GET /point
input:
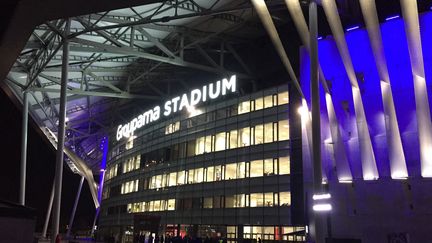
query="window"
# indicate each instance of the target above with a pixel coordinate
(210, 174)
(171, 204)
(241, 170)
(244, 136)
(181, 177)
(220, 141)
(256, 168)
(230, 171)
(284, 165)
(130, 142)
(268, 199)
(259, 104)
(240, 201)
(268, 132)
(283, 130)
(244, 107)
(256, 200)
(233, 139)
(218, 173)
(208, 202)
(172, 179)
(172, 127)
(208, 144)
(130, 186)
(199, 175)
(283, 98)
(229, 201)
(259, 134)
(199, 145)
(268, 167)
(191, 176)
(284, 198)
(268, 101)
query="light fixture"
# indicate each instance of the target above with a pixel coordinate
(321, 196)
(320, 37)
(392, 17)
(353, 28)
(324, 207)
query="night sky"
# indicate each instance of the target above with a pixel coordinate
(40, 171)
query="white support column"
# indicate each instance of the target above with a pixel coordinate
(61, 136)
(370, 171)
(23, 168)
(398, 166)
(412, 29)
(344, 172)
(71, 220)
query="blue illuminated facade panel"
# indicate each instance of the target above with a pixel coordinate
(385, 206)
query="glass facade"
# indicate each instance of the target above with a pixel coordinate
(222, 170)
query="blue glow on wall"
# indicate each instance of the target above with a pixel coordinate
(399, 67)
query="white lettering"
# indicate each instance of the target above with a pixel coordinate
(184, 102)
(214, 94)
(195, 97)
(119, 133)
(156, 113)
(229, 85)
(167, 106)
(178, 104)
(174, 101)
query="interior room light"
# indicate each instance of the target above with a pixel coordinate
(345, 181)
(369, 177)
(324, 207)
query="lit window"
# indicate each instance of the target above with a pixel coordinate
(218, 173)
(283, 98)
(233, 139)
(284, 165)
(172, 179)
(208, 144)
(244, 107)
(172, 127)
(230, 171)
(240, 201)
(199, 145)
(199, 175)
(191, 176)
(171, 204)
(129, 143)
(220, 141)
(210, 174)
(268, 132)
(268, 167)
(241, 170)
(256, 200)
(259, 104)
(208, 202)
(259, 134)
(268, 199)
(283, 130)
(244, 137)
(284, 198)
(268, 101)
(181, 177)
(256, 168)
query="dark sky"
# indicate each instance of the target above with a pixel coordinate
(40, 171)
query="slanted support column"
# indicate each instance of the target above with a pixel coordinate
(412, 29)
(75, 207)
(61, 136)
(23, 168)
(48, 214)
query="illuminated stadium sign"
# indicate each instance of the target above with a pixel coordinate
(185, 101)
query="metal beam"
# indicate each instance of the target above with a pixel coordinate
(123, 95)
(125, 50)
